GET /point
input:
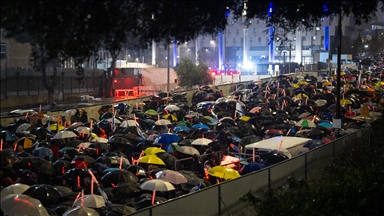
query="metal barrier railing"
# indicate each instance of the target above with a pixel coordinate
(224, 197)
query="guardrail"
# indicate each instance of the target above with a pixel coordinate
(224, 198)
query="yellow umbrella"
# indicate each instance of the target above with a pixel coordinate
(342, 73)
(302, 82)
(170, 117)
(151, 159)
(25, 142)
(327, 83)
(153, 150)
(295, 85)
(94, 136)
(345, 102)
(53, 127)
(301, 95)
(244, 118)
(223, 172)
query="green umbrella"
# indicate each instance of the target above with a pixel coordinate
(306, 123)
(151, 112)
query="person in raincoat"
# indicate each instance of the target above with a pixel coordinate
(76, 116)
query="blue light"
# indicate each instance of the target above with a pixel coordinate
(325, 8)
(270, 8)
(326, 38)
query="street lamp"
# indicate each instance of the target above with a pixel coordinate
(214, 53)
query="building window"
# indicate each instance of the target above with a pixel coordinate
(234, 40)
(258, 21)
(259, 39)
(250, 39)
(254, 30)
(3, 50)
(303, 38)
(237, 32)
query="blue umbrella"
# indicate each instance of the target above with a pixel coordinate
(110, 170)
(326, 124)
(181, 128)
(203, 126)
(251, 167)
(43, 152)
(168, 138)
(312, 144)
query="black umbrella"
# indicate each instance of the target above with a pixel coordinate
(273, 157)
(84, 158)
(7, 158)
(119, 140)
(315, 133)
(251, 167)
(62, 165)
(169, 160)
(37, 165)
(137, 170)
(42, 192)
(126, 189)
(312, 144)
(73, 143)
(119, 209)
(146, 200)
(116, 177)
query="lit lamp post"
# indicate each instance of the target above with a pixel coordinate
(366, 49)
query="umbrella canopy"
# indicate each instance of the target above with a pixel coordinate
(153, 150)
(64, 135)
(129, 123)
(251, 167)
(321, 102)
(69, 112)
(203, 126)
(151, 112)
(273, 157)
(306, 123)
(83, 130)
(157, 185)
(116, 177)
(188, 150)
(126, 189)
(326, 124)
(14, 189)
(171, 176)
(37, 164)
(81, 211)
(172, 108)
(168, 138)
(7, 158)
(100, 140)
(90, 201)
(170, 117)
(249, 139)
(23, 128)
(25, 142)
(312, 144)
(201, 141)
(42, 192)
(8, 136)
(163, 122)
(181, 128)
(151, 159)
(223, 172)
(19, 204)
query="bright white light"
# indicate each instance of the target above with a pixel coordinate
(239, 64)
(248, 65)
(317, 28)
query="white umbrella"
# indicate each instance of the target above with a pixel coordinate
(320, 102)
(76, 124)
(81, 211)
(69, 112)
(91, 201)
(14, 189)
(188, 150)
(20, 204)
(100, 140)
(172, 108)
(84, 144)
(163, 122)
(128, 123)
(201, 141)
(117, 121)
(302, 115)
(171, 176)
(49, 118)
(64, 135)
(157, 185)
(83, 130)
(23, 127)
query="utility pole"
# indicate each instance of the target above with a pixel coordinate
(290, 55)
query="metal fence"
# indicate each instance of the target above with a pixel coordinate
(224, 198)
(25, 81)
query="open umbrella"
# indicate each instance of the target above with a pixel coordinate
(14, 189)
(188, 150)
(23, 128)
(25, 142)
(151, 112)
(163, 122)
(64, 135)
(42, 192)
(151, 159)
(118, 176)
(306, 123)
(223, 172)
(90, 201)
(312, 144)
(81, 211)
(251, 167)
(7, 158)
(153, 150)
(83, 130)
(273, 157)
(20, 204)
(203, 126)
(156, 185)
(172, 108)
(126, 189)
(168, 138)
(171, 176)
(201, 141)
(129, 123)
